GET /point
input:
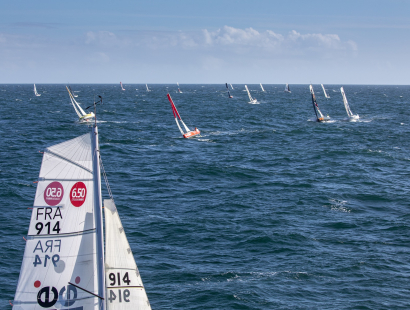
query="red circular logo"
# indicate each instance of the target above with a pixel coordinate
(78, 194)
(54, 193)
(37, 284)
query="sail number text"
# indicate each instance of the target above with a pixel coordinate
(48, 227)
(117, 280)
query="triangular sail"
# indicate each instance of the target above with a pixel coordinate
(249, 94)
(80, 112)
(231, 86)
(347, 107)
(324, 91)
(147, 87)
(59, 269)
(177, 116)
(122, 88)
(287, 88)
(319, 114)
(261, 86)
(35, 91)
(125, 290)
(227, 88)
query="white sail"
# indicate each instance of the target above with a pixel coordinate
(347, 107)
(59, 268)
(125, 290)
(85, 117)
(287, 89)
(251, 100)
(231, 86)
(324, 91)
(35, 91)
(122, 88)
(261, 86)
(147, 87)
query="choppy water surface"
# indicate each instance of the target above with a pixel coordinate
(266, 210)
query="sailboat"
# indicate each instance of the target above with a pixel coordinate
(251, 100)
(319, 115)
(178, 91)
(231, 86)
(261, 87)
(35, 91)
(227, 88)
(83, 117)
(122, 88)
(64, 266)
(287, 89)
(146, 85)
(324, 92)
(352, 117)
(72, 93)
(189, 133)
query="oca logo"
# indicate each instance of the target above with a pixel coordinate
(48, 297)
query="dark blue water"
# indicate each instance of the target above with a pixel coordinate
(267, 210)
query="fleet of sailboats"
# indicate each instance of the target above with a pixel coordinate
(64, 266)
(251, 100)
(318, 113)
(352, 117)
(227, 88)
(35, 91)
(83, 117)
(324, 91)
(187, 133)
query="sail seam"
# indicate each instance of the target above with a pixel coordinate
(68, 160)
(84, 232)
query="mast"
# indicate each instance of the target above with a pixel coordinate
(98, 217)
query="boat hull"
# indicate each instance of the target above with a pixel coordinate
(191, 134)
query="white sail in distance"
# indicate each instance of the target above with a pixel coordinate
(125, 290)
(59, 267)
(251, 100)
(35, 91)
(347, 107)
(261, 87)
(324, 91)
(82, 115)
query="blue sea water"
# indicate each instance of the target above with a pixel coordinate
(266, 210)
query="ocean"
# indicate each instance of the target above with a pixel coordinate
(267, 209)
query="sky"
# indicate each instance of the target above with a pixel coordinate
(208, 41)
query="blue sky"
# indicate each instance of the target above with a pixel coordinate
(158, 41)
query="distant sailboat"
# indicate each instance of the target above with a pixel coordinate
(287, 89)
(122, 88)
(64, 265)
(82, 116)
(178, 91)
(251, 100)
(319, 115)
(147, 87)
(352, 117)
(324, 92)
(227, 88)
(189, 133)
(231, 86)
(74, 95)
(261, 87)
(35, 91)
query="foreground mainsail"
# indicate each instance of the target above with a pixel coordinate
(124, 285)
(63, 265)
(62, 236)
